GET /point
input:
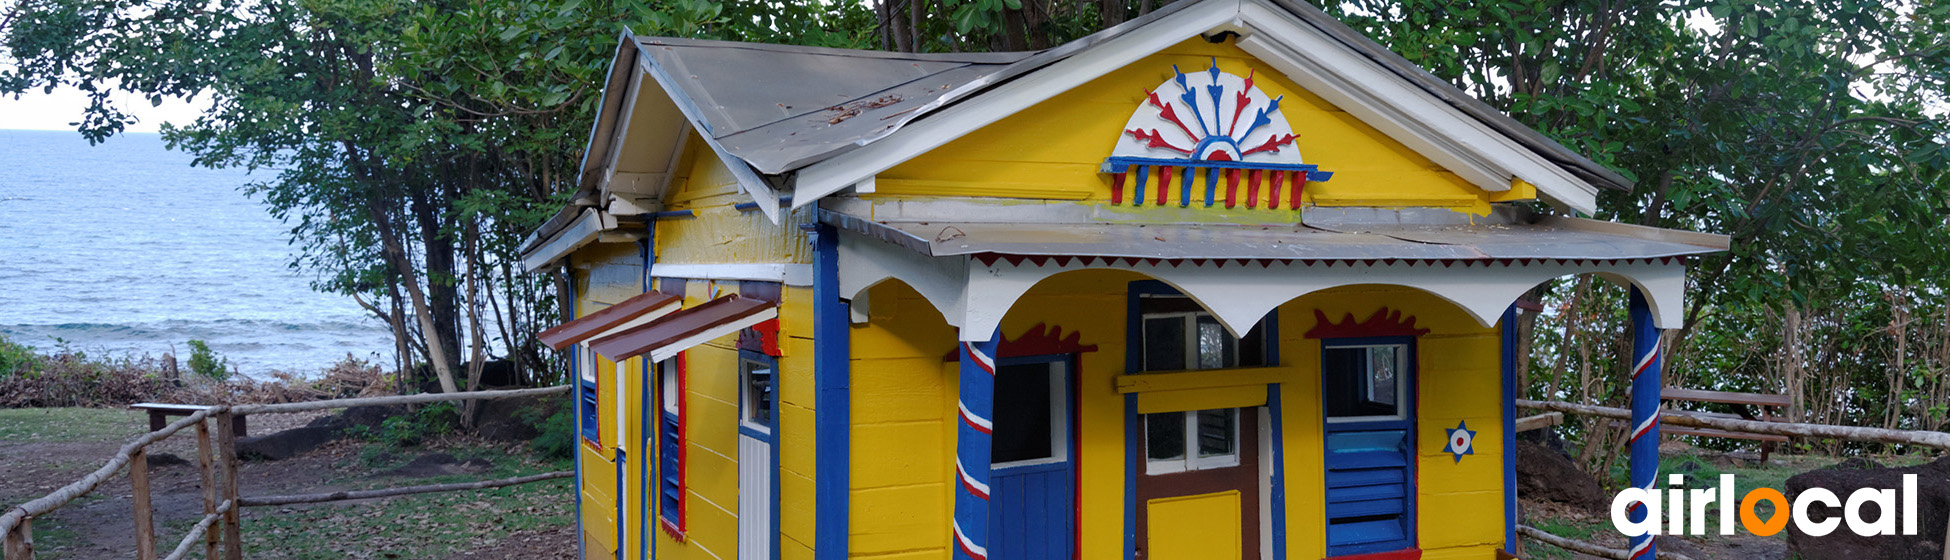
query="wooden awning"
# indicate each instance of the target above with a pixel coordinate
(684, 329)
(638, 310)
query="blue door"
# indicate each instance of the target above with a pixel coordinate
(1367, 391)
(1032, 481)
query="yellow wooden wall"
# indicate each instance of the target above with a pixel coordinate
(904, 436)
(721, 233)
(1053, 150)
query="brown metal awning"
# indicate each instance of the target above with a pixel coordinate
(685, 329)
(642, 308)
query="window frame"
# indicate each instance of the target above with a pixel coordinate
(745, 398)
(674, 478)
(1191, 461)
(589, 396)
(1404, 360)
(1059, 425)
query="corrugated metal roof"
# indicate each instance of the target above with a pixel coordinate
(779, 107)
(1549, 239)
(565, 334)
(694, 325)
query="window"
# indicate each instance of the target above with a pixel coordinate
(1030, 423)
(588, 393)
(758, 401)
(670, 435)
(1364, 382)
(1190, 441)
(1178, 335)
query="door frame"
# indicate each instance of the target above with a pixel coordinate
(1073, 424)
(771, 438)
(1411, 395)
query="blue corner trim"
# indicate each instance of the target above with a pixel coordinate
(1277, 413)
(1510, 392)
(622, 504)
(582, 547)
(833, 401)
(646, 427)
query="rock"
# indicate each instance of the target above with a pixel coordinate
(1548, 475)
(286, 444)
(166, 460)
(1933, 505)
(515, 419)
(370, 416)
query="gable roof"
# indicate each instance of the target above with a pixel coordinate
(845, 115)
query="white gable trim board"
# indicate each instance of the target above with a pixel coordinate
(748, 179)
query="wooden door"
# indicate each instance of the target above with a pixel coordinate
(1367, 391)
(1198, 486)
(1033, 476)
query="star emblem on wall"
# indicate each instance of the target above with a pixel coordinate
(1462, 441)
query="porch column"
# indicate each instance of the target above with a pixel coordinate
(972, 435)
(1645, 414)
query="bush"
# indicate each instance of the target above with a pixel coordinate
(205, 362)
(413, 428)
(16, 359)
(558, 437)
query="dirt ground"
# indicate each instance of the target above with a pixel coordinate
(99, 525)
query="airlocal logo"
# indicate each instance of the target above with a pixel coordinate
(1686, 510)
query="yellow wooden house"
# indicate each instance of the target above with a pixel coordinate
(1227, 281)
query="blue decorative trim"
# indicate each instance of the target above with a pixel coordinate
(1133, 363)
(1185, 189)
(1137, 190)
(833, 400)
(646, 430)
(1510, 392)
(674, 214)
(1120, 164)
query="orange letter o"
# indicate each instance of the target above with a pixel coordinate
(1752, 522)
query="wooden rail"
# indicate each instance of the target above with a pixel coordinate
(220, 528)
(1937, 440)
(341, 496)
(1593, 549)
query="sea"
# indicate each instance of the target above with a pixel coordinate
(125, 249)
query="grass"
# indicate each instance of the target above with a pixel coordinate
(419, 526)
(71, 424)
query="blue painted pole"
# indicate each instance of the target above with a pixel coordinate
(972, 439)
(833, 401)
(1645, 415)
(1510, 393)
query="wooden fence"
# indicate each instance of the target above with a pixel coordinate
(219, 530)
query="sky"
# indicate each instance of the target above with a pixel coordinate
(53, 111)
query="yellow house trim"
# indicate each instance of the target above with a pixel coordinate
(1243, 396)
(1201, 379)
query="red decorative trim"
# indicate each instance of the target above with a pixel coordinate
(1405, 554)
(1164, 183)
(768, 337)
(1252, 189)
(1299, 186)
(1117, 188)
(1232, 187)
(1384, 322)
(1039, 340)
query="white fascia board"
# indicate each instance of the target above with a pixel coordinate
(846, 170)
(583, 231)
(748, 180)
(670, 351)
(790, 274)
(1405, 112)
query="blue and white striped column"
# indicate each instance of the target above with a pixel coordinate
(1646, 362)
(972, 436)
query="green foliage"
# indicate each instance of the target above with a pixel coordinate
(413, 428)
(205, 362)
(558, 433)
(16, 359)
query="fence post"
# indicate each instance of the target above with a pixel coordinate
(233, 544)
(209, 474)
(145, 527)
(20, 542)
